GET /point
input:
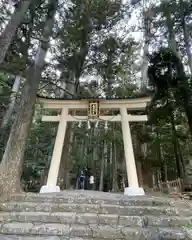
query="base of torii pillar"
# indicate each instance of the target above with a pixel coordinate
(50, 189)
(134, 191)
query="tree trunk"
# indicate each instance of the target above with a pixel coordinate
(101, 182)
(185, 34)
(140, 173)
(115, 187)
(12, 162)
(95, 152)
(110, 165)
(165, 172)
(171, 34)
(11, 105)
(159, 155)
(144, 66)
(9, 32)
(179, 164)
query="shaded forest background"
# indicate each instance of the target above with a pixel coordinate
(95, 48)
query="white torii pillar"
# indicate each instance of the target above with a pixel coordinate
(133, 189)
(51, 185)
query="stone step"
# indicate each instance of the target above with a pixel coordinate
(92, 208)
(77, 232)
(93, 218)
(94, 198)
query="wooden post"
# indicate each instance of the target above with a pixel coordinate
(168, 187)
(180, 184)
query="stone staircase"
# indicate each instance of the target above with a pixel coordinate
(78, 215)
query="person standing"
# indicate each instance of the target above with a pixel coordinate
(82, 180)
(91, 182)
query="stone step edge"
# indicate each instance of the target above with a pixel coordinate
(94, 218)
(92, 230)
(122, 201)
(87, 194)
(15, 203)
(30, 237)
(104, 208)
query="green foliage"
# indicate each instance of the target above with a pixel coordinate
(165, 70)
(40, 145)
(5, 91)
(4, 87)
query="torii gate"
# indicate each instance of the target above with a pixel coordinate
(121, 105)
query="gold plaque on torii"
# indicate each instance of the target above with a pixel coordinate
(93, 109)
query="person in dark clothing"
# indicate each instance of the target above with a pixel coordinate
(82, 180)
